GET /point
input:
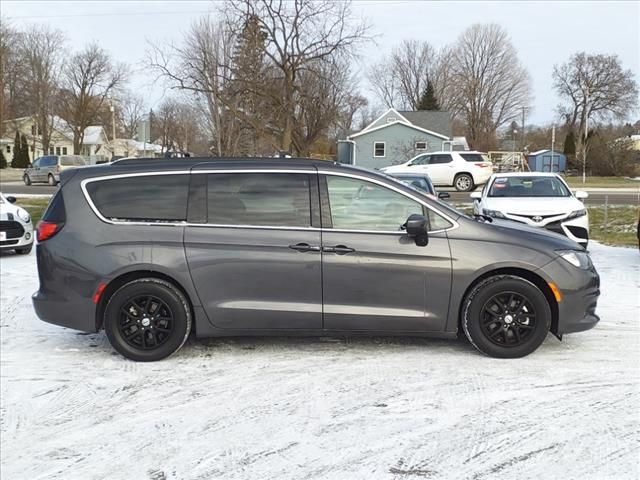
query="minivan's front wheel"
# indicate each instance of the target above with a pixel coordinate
(463, 182)
(147, 319)
(506, 317)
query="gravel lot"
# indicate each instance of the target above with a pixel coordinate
(321, 408)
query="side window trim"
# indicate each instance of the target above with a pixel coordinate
(326, 207)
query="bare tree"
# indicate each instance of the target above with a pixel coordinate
(89, 79)
(41, 52)
(299, 35)
(400, 79)
(594, 87)
(490, 85)
(178, 123)
(11, 72)
(131, 110)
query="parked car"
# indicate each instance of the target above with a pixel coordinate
(16, 228)
(462, 170)
(292, 247)
(47, 169)
(538, 200)
(420, 181)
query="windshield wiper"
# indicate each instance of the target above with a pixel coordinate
(486, 218)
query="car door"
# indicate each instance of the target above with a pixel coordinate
(441, 169)
(375, 278)
(254, 256)
(34, 170)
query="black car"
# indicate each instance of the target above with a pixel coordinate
(150, 249)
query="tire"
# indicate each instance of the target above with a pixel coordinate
(52, 180)
(157, 311)
(24, 250)
(463, 182)
(27, 180)
(510, 335)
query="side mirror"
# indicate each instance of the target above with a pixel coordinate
(443, 195)
(11, 199)
(476, 195)
(29, 165)
(581, 194)
(416, 227)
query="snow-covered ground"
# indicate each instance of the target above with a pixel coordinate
(322, 408)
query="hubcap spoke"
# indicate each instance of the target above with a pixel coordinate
(508, 319)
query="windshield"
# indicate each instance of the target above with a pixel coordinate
(543, 186)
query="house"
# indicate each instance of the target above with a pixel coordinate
(127, 147)
(397, 136)
(95, 145)
(547, 161)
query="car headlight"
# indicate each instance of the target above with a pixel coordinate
(577, 213)
(493, 213)
(576, 258)
(24, 215)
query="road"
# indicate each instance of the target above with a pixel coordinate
(596, 197)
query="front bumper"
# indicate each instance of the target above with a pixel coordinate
(576, 229)
(17, 239)
(580, 290)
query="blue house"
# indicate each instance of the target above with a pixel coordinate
(547, 161)
(397, 136)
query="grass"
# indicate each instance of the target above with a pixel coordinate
(620, 227)
(11, 174)
(602, 182)
(35, 207)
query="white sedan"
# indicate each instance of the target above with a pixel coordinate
(536, 199)
(16, 227)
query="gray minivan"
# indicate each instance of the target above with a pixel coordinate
(150, 249)
(47, 169)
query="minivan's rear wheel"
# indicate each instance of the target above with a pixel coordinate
(506, 317)
(26, 179)
(463, 182)
(52, 180)
(147, 319)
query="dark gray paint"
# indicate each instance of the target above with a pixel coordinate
(247, 280)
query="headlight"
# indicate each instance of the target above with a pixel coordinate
(577, 213)
(493, 213)
(576, 258)
(24, 215)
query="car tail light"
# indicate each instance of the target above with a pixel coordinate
(482, 164)
(46, 230)
(58, 169)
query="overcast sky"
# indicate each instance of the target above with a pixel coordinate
(544, 33)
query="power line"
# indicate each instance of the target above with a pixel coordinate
(119, 14)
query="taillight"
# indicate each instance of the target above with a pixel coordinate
(482, 164)
(46, 230)
(58, 168)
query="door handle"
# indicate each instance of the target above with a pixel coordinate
(304, 247)
(338, 249)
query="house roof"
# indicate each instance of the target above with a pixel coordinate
(92, 134)
(430, 120)
(398, 122)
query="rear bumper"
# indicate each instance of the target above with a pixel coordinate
(59, 312)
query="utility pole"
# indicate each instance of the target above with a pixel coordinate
(553, 144)
(523, 134)
(113, 129)
(584, 142)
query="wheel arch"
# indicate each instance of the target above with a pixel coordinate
(127, 277)
(532, 277)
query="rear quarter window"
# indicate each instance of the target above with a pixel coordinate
(152, 198)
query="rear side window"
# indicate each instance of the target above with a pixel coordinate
(474, 157)
(55, 212)
(69, 160)
(435, 159)
(259, 199)
(49, 161)
(153, 198)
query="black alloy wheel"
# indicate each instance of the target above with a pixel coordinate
(506, 316)
(508, 319)
(147, 319)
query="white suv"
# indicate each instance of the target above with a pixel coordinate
(462, 170)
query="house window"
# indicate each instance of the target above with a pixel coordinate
(379, 149)
(421, 145)
(391, 119)
(64, 150)
(32, 148)
(57, 150)
(33, 129)
(8, 148)
(51, 150)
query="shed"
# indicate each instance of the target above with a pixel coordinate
(547, 161)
